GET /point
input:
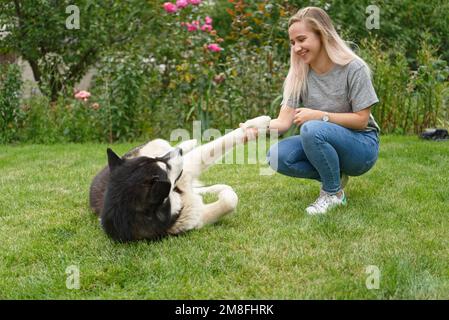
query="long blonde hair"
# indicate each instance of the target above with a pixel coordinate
(338, 51)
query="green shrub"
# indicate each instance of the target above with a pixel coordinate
(410, 100)
(10, 91)
(145, 89)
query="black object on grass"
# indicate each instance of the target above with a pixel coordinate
(435, 134)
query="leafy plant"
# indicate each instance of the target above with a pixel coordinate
(10, 91)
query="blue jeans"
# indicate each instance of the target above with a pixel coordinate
(323, 151)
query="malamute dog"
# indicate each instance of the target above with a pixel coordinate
(151, 191)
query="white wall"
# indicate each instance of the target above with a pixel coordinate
(30, 86)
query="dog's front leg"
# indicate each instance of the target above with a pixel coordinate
(202, 157)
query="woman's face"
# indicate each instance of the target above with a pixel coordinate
(304, 41)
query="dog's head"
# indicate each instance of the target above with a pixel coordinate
(136, 202)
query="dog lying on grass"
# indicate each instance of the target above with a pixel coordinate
(151, 192)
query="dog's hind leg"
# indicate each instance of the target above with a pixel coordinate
(226, 203)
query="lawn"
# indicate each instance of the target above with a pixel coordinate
(397, 219)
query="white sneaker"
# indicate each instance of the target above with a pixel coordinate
(325, 202)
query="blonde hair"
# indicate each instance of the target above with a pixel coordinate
(338, 51)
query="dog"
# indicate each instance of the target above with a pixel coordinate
(153, 191)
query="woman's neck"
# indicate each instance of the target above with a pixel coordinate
(322, 63)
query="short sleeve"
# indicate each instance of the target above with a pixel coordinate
(294, 103)
(361, 91)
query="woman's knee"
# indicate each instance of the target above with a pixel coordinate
(312, 129)
(359, 168)
(276, 158)
(273, 156)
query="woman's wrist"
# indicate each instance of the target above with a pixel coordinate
(320, 115)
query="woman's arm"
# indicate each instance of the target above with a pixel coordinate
(284, 120)
(282, 123)
(352, 120)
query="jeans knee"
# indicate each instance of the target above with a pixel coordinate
(312, 130)
(269, 155)
(273, 157)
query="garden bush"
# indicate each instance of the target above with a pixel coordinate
(10, 91)
(225, 62)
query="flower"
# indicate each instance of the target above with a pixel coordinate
(219, 78)
(206, 27)
(208, 20)
(82, 95)
(170, 7)
(214, 47)
(182, 3)
(195, 2)
(95, 106)
(191, 27)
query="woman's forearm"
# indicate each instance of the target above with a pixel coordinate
(349, 120)
(280, 126)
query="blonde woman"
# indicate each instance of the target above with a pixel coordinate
(329, 94)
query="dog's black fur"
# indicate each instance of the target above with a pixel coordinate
(135, 204)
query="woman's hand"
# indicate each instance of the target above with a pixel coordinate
(303, 115)
(251, 127)
(250, 133)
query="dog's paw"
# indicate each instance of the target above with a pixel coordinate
(261, 122)
(188, 145)
(229, 199)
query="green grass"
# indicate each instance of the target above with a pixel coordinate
(397, 219)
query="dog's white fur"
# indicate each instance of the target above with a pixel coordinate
(193, 212)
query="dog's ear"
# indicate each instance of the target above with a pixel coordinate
(113, 160)
(159, 191)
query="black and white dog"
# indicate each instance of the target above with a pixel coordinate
(151, 192)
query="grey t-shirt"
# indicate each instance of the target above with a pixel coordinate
(342, 89)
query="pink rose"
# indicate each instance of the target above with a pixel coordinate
(191, 27)
(82, 95)
(170, 7)
(195, 2)
(182, 3)
(208, 20)
(206, 27)
(214, 47)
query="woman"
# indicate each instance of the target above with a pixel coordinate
(329, 94)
